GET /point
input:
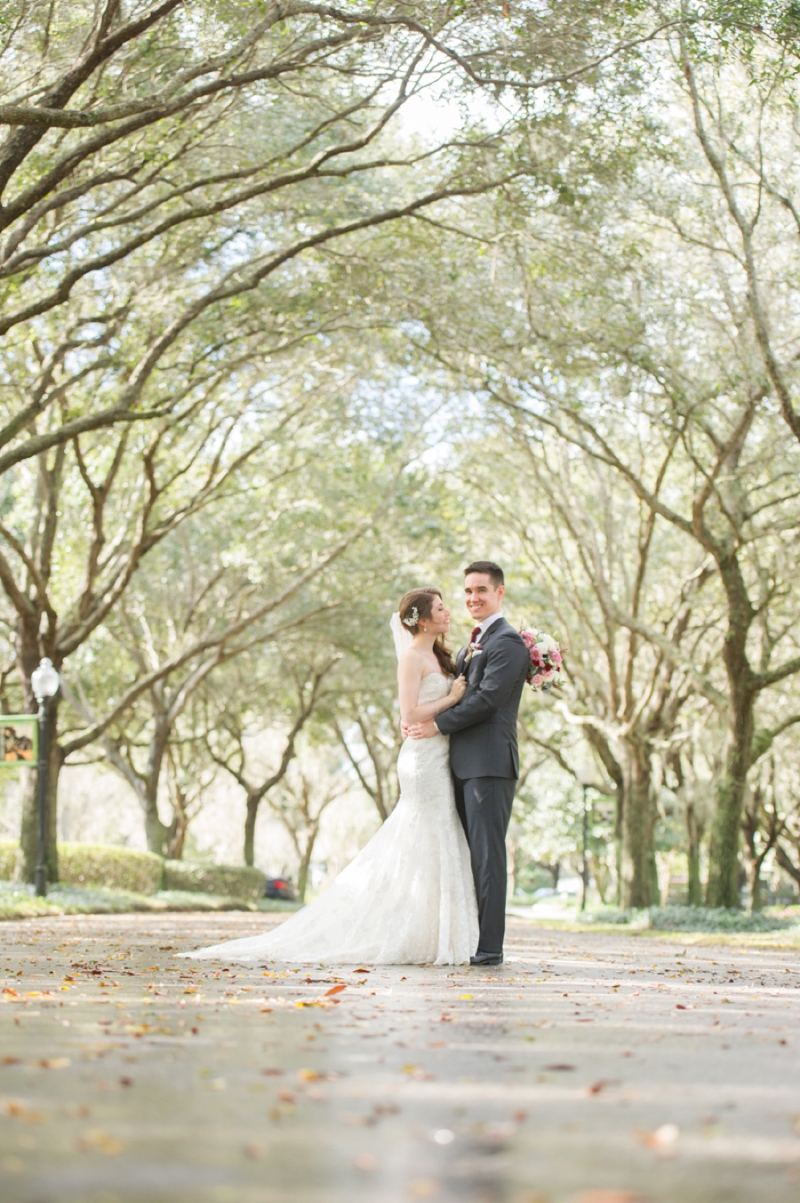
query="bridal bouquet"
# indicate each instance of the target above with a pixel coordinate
(544, 670)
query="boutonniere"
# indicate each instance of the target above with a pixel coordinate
(475, 649)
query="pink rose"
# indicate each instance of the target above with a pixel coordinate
(556, 657)
(537, 680)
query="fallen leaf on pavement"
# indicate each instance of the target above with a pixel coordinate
(602, 1084)
(424, 1188)
(19, 1111)
(610, 1196)
(662, 1138)
(98, 1140)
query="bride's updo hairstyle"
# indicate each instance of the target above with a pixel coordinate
(421, 600)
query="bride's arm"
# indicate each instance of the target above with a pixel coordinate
(410, 671)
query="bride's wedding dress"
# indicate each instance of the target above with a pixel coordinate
(408, 898)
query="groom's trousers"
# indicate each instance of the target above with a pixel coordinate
(484, 807)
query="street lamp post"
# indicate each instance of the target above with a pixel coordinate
(44, 682)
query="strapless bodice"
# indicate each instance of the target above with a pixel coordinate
(434, 686)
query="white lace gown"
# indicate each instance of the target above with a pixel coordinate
(408, 898)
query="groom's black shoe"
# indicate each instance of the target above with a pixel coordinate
(487, 958)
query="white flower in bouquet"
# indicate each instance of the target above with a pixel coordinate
(544, 652)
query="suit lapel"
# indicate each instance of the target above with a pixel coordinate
(489, 634)
(485, 643)
(493, 629)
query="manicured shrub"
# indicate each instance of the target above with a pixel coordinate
(691, 918)
(8, 859)
(111, 866)
(233, 881)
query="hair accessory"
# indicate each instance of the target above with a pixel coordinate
(412, 619)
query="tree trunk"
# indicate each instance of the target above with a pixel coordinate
(29, 830)
(250, 829)
(787, 864)
(305, 861)
(302, 873)
(756, 884)
(178, 829)
(694, 832)
(158, 834)
(723, 872)
(601, 875)
(29, 827)
(639, 870)
(619, 815)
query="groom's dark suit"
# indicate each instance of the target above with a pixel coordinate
(485, 765)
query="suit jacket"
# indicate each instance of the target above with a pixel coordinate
(483, 725)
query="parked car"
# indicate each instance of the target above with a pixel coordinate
(280, 887)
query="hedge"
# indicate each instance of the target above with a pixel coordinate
(692, 919)
(113, 867)
(233, 881)
(106, 865)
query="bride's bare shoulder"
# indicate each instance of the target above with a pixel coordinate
(411, 664)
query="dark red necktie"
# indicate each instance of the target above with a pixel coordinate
(475, 633)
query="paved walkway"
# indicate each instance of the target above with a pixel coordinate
(590, 1069)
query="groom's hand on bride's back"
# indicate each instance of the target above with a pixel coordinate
(423, 730)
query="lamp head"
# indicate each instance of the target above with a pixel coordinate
(45, 680)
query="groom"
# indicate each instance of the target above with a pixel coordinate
(483, 746)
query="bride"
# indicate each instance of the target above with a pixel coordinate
(408, 897)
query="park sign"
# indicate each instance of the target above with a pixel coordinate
(18, 740)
